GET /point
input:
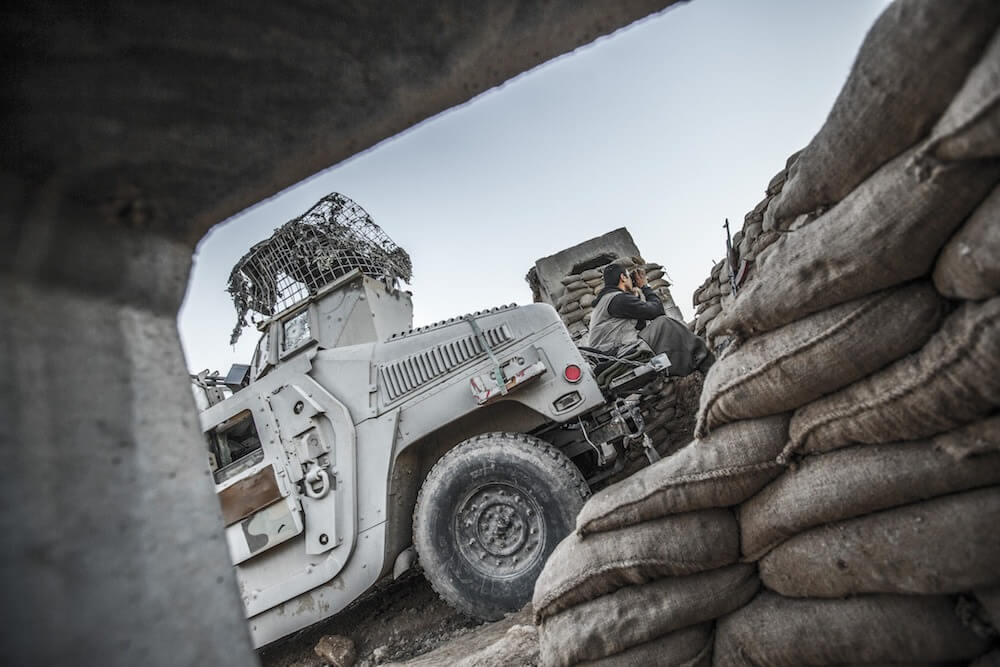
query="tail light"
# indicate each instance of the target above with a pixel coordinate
(572, 373)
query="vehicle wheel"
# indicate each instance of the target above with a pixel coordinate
(489, 514)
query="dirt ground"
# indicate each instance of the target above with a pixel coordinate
(400, 620)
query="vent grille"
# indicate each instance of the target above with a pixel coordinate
(405, 375)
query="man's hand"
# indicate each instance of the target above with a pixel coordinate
(640, 278)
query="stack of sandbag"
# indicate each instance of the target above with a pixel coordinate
(707, 300)
(655, 558)
(580, 291)
(853, 425)
(670, 411)
(669, 408)
(874, 319)
(755, 236)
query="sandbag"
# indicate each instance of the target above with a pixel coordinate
(886, 232)
(945, 545)
(946, 663)
(969, 265)
(977, 439)
(859, 480)
(591, 274)
(576, 285)
(570, 279)
(913, 60)
(723, 469)
(953, 380)
(970, 127)
(707, 315)
(784, 632)
(582, 569)
(570, 307)
(637, 614)
(801, 361)
(571, 297)
(690, 647)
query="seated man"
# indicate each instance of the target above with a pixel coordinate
(620, 317)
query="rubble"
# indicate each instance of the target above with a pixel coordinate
(336, 651)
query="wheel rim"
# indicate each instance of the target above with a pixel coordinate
(500, 530)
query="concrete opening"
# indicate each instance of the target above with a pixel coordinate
(128, 134)
(593, 263)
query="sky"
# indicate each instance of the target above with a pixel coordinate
(666, 127)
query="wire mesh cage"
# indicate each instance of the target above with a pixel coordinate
(328, 241)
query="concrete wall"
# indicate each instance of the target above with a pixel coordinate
(128, 130)
(552, 269)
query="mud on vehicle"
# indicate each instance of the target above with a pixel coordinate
(344, 445)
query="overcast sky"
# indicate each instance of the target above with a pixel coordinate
(666, 127)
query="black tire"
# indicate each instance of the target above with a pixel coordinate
(488, 515)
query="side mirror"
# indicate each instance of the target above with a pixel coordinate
(238, 377)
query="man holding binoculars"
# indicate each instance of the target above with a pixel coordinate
(621, 317)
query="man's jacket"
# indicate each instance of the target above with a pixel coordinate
(619, 316)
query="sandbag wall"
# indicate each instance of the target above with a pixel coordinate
(581, 289)
(757, 234)
(841, 501)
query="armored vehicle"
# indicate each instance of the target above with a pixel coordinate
(353, 442)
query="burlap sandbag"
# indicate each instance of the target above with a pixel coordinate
(977, 439)
(912, 62)
(723, 469)
(570, 307)
(799, 362)
(690, 647)
(785, 632)
(570, 279)
(859, 480)
(969, 265)
(571, 297)
(888, 231)
(582, 569)
(953, 380)
(637, 614)
(970, 127)
(703, 318)
(944, 545)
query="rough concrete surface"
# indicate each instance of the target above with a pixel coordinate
(553, 268)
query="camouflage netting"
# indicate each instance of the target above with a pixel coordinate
(328, 241)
